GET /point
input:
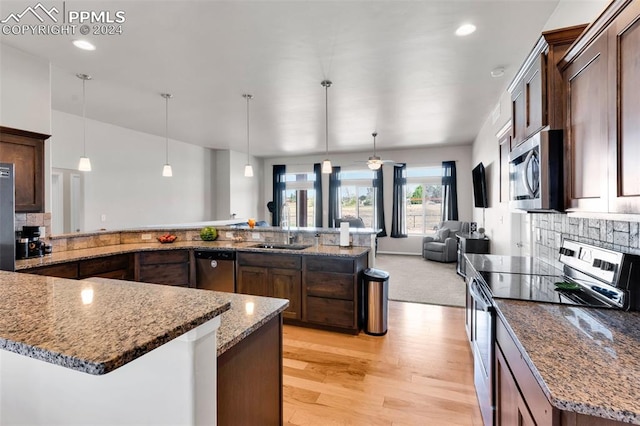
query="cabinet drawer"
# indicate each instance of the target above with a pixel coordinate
(327, 284)
(269, 260)
(162, 257)
(333, 312)
(537, 402)
(64, 270)
(170, 274)
(102, 265)
(329, 264)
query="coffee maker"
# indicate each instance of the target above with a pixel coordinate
(30, 236)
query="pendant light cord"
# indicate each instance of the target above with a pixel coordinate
(84, 118)
(248, 98)
(166, 129)
(326, 115)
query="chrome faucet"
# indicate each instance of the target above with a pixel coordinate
(284, 221)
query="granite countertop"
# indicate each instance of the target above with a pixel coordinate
(585, 359)
(245, 315)
(90, 253)
(96, 327)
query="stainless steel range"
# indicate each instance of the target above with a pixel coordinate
(591, 277)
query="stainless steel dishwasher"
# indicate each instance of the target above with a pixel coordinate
(215, 270)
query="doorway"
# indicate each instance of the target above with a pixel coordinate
(67, 201)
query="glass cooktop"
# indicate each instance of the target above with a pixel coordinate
(538, 288)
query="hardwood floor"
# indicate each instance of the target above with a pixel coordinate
(420, 373)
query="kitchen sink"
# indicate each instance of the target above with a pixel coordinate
(282, 246)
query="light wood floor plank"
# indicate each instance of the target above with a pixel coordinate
(420, 373)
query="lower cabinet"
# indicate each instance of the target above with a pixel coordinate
(271, 275)
(169, 267)
(62, 270)
(119, 267)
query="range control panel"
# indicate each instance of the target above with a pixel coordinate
(597, 262)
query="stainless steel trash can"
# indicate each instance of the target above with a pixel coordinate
(376, 295)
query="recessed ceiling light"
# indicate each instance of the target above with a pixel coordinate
(83, 44)
(497, 72)
(465, 29)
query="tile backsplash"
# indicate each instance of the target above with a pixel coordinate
(33, 219)
(549, 228)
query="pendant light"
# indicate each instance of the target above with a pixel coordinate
(85, 164)
(166, 170)
(374, 162)
(248, 169)
(326, 164)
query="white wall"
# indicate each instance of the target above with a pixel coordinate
(235, 193)
(126, 183)
(25, 99)
(502, 225)
(413, 157)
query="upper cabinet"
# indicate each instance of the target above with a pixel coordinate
(601, 73)
(536, 91)
(26, 151)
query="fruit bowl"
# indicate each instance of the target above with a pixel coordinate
(167, 238)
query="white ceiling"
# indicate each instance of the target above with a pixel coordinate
(396, 66)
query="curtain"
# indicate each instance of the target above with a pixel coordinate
(279, 186)
(378, 185)
(449, 191)
(334, 196)
(317, 185)
(398, 225)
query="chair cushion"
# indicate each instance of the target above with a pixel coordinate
(434, 246)
(442, 234)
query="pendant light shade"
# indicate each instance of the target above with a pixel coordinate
(326, 164)
(374, 162)
(248, 168)
(166, 170)
(85, 163)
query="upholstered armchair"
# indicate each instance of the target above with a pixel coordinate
(443, 246)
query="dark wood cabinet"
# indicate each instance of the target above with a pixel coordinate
(601, 72)
(586, 135)
(26, 151)
(170, 267)
(62, 270)
(272, 275)
(332, 291)
(470, 244)
(118, 266)
(536, 91)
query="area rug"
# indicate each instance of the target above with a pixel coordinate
(414, 279)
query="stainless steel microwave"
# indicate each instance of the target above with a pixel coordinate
(536, 173)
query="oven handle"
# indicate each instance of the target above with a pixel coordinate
(483, 303)
(527, 185)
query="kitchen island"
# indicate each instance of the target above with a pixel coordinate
(118, 331)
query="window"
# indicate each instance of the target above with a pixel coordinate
(300, 197)
(357, 196)
(424, 199)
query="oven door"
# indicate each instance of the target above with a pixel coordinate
(483, 343)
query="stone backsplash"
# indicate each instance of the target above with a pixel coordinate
(548, 229)
(33, 219)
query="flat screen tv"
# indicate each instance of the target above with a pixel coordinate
(479, 186)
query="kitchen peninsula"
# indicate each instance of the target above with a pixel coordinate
(107, 350)
(321, 281)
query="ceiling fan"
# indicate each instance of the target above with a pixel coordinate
(374, 162)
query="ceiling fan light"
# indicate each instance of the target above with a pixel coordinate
(166, 170)
(248, 170)
(326, 167)
(85, 164)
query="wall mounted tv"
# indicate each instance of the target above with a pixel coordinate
(480, 198)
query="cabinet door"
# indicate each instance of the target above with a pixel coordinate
(535, 97)
(253, 280)
(286, 284)
(26, 151)
(63, 270)
(517, 115)
(506, 393)
(587, 129)
(624, 40)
